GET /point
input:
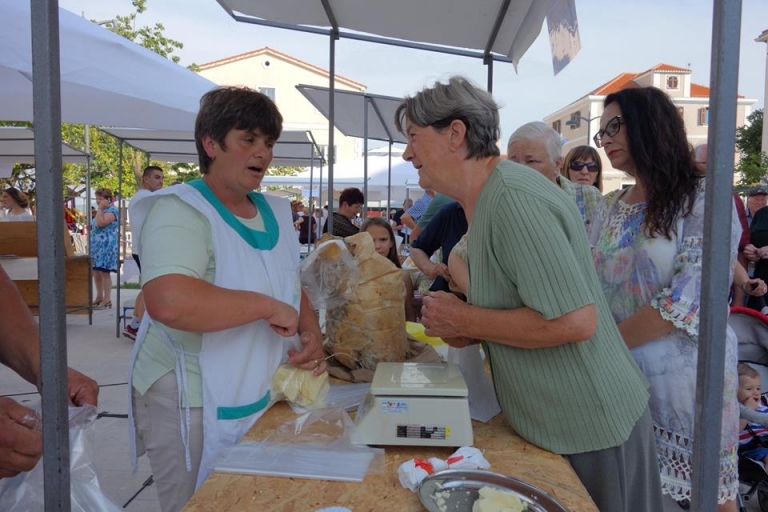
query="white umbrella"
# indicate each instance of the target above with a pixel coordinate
(105, 79)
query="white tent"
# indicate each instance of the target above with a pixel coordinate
(350, 174)
(295, 148)
(105, 79)
(17, 146)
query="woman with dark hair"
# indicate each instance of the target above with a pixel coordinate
(582, 165)
(385, 245)
(220, 277)
(16, 204)
(104, 247)
(647, 246)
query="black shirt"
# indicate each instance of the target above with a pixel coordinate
(444, 231)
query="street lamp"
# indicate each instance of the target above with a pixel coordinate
(575, 122)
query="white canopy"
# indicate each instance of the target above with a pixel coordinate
(350, 174)
(506, 28)
(105, 79)
(350, 105)
(17, 146)
(293, 149)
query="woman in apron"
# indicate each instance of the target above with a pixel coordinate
(220, 276)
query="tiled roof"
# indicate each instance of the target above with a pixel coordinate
(623, 81)
(699, 91)
(285, 56)
(667, 68)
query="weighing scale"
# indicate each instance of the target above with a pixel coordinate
(415, 404)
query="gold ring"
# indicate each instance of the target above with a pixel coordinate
(317, 362)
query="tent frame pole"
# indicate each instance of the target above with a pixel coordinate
(50, 249)
(716, 271)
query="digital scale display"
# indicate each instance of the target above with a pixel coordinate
(422, 432)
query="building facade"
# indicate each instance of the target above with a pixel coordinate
(579, 121)
(277, 74)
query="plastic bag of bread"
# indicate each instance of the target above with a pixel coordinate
(300, 387)
(329, 275)
(370, 327)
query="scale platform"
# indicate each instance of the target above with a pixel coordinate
(415, 404)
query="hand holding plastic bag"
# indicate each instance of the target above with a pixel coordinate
(24, 492)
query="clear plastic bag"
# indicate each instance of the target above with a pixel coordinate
(329, 275)
(24, 492)
(300, 387)
(316, 445)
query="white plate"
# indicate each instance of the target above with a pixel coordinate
(463, 485)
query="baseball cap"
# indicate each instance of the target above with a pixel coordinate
(757, 191)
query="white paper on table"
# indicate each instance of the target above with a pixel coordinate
(481, 395)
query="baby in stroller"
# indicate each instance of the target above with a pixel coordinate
(751, 328)
(754, 416)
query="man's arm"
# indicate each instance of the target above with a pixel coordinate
(20, 346)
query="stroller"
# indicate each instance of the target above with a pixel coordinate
(751, 328)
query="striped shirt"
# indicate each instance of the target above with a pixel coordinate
(528, 248)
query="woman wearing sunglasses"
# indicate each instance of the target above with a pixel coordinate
(647, 246)
(582, 165)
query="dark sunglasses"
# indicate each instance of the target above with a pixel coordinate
(612, 127)
(578, 166)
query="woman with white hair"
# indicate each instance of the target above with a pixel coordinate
(564, 377)
(539, 146)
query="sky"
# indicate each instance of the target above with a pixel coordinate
(616, 36)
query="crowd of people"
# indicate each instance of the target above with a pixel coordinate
(586, 305)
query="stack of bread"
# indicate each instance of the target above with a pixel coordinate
(370, 327)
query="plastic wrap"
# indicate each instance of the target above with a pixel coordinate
(24, 492)
(329, 275)
(370, 327)
(315, 445)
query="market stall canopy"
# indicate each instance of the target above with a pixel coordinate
(105, 78)
(506, 27)
(17, 146)
(350, 105)
(294, 148)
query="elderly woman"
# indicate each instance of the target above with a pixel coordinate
(16, 205)
(582, 165)
(538, 146)
(221, 286)
(648, 242)
(104, 247)
(564, 378)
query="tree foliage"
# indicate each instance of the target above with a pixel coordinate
(151, 38)
(753, 165)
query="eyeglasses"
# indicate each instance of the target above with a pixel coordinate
(611, 129)
(578, 166)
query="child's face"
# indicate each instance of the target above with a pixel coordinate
(381, 241)
(749, 387)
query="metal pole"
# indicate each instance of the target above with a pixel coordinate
(489, 63)
(46, 86)
(764, 141)
(119, 235)
(365, 157)
(88, 219)
(389, 180)
(331, 124)
(310, 231)
(726, 28)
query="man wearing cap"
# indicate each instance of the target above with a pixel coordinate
(756, 199)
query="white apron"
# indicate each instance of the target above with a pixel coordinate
(237, 364)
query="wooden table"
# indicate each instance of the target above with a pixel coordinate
(506, 451)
